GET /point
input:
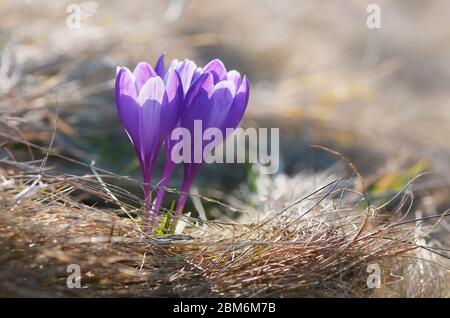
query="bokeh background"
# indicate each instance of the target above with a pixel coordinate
(380, 97)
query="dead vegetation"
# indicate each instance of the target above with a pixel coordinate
(318, 245)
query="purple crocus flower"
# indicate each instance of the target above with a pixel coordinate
(188, 72)
(218, 98)
(149, 105)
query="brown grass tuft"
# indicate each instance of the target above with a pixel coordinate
(319, 245)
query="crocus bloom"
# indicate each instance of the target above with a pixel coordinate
(149, 105)
(188, 72)
(218, 98)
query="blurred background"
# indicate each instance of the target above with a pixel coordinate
(379, 96)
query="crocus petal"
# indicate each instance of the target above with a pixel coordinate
(173, 84)
(128, 111)
(159, 68)
(127, 106)
(197, 103)
(235, 77)
(173, 63)
(239, 106)
(218, 70)
(154, 89)
(170, 112)
(149, 121)
(118, 68)
(125, 83)
(197, 106)
(196, 74)
(151, 99)
(204, 84)
(245, 89)
(186, 70)
(222, 100)
(142, 73)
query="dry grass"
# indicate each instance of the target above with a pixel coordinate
(318, 245)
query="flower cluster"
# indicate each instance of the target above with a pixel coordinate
(152, 102)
